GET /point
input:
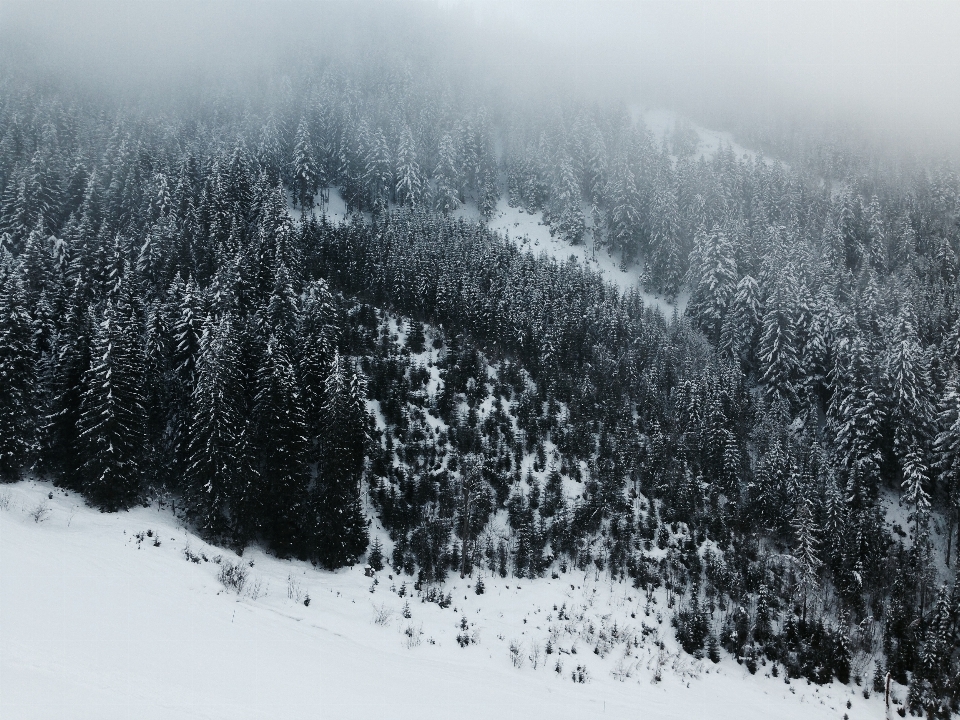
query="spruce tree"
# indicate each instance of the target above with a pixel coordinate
(217, 462)
(805, 549)
(778, 354)
(624, 217)
(567, 214)
(946, 454)
(304, 169)
(915, 482)
(447, 198)
(341, 532)
(665, 243)
(714, 279)
(911, 413)
(17, 373)
(278, 506)
(316, 336)
(409, 179)
(739, 335)
(112, 414)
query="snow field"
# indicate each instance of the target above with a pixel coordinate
(98, 621)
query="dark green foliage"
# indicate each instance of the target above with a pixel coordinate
(277, 506)
(342, 536)
(219, 467)
(691, 625)
(17, 374)
(112, 415)
(375, 558)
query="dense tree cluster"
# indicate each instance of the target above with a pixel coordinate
(178, 316)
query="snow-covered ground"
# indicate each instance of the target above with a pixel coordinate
(107, 616)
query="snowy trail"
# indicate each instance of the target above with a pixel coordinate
(94, 624)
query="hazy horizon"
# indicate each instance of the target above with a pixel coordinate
(885, 68)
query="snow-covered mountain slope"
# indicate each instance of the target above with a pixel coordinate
(123, 616)
(531, 233)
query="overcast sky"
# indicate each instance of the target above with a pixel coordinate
(888, 64)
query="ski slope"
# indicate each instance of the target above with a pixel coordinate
(96, 621)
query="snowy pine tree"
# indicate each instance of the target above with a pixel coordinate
(112, 412)
(305, 174)
(778, 351)
(342, 534)
(714, 280)
(276, 504)
(17, 373)
(409, 187)
(218, 463)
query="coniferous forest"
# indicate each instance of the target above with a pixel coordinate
(182, 323)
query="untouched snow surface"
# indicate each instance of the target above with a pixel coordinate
(96, 621)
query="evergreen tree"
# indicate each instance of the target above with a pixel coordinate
(316, 335)
(342, 533)
(305, 175)
(915, 480)
(625, 212)
(856, 414)
(778, 355)
(277, 505)
(946, 453)
(740, 333)
(567, 213)
(112, 411)
(489, 191)
(805, 549)
(714, 280)
(17, 373)
(218, 463)
(911, 406)
(409, 180)
(447, 197)
(665, 244)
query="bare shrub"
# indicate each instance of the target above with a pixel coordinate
(294, 590)
(621, 671)
(381, 614)
(191, 556)
(4, 500)
(534, 654)
(412, 636)
(233, 577)
(256, 589)
(40, 513)
(516, 653)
